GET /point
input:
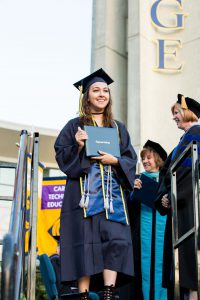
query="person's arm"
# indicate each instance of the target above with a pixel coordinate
(81, 136)
(106, 159)
(68, 152)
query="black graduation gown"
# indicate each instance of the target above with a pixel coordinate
(187, 261)
(74, 165)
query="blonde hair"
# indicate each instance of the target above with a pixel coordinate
(158, 160)
(187, 114)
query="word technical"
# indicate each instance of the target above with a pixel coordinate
(167, 48)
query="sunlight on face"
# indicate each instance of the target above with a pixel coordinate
(148, 161)
(178, 118)
(99, 96)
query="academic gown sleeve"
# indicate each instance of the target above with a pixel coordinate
(128, 160)
(69, 160)
(164, 187)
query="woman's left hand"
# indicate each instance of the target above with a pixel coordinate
(106, 159)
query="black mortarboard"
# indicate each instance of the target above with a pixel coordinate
(83, 84)
(157, 148)
(97, 76)
(189, 103)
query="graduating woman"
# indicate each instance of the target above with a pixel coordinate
(186, 112)
(95, 232)
(148, 226)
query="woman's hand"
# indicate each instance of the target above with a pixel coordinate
(106, 159)
(137, 184)
(165, 201)
(80, 137)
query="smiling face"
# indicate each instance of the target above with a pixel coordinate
(149, 162)
(178, 118)
(184, 118)
(99, 96)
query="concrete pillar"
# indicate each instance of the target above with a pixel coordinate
(134, 77)
(109, 49)
(144, 91)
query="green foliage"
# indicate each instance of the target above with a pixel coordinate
(22, 297)
(40, 293)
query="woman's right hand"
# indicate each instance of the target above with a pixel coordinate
(80, 137)
(137, 184)
(165, 201)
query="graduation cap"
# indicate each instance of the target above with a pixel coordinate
(157, 148)
(83, 84)
(189, 103)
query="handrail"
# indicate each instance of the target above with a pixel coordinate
(192, 149)
(33, 220)
(11, 266)
(13, 242)
(18, 199)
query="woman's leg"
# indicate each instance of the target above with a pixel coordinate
(192, 295)
(83, 284)
(109, 277)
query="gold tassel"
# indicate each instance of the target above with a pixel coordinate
(80, 100)
(183, 103)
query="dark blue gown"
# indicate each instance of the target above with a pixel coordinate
(89, 245)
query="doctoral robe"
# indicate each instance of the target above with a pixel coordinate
(148, 228)
(187, 261)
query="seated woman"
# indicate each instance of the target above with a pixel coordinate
(148, 226)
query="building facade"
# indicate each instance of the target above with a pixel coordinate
(151, 50)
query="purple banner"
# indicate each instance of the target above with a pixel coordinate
(52, 196)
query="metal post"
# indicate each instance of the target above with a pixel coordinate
(175, 235)
(33, 220)
(195, 185)
(12, 243)
(176, 240)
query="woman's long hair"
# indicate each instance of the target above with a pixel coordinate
(86, 118)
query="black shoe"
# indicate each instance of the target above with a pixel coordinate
(108, 292)
(84, 296)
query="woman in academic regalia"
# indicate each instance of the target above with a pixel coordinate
(95, 232)
(186, 113)
(148, 226)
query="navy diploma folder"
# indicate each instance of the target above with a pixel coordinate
(147, 194)
(104, 139)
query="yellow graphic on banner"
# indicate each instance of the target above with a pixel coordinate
(50, 196)
(49, 208)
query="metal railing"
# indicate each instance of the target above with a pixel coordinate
(13, 263)
(31, 276)
(177, 240)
